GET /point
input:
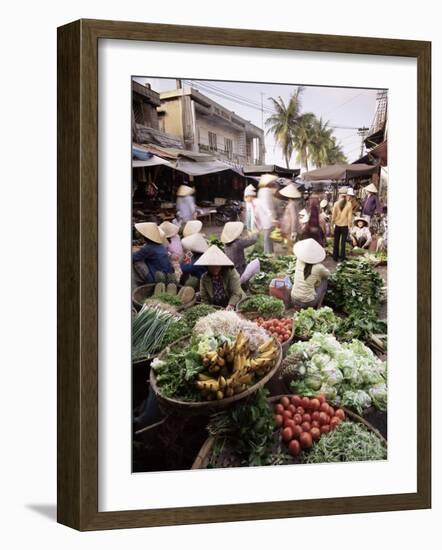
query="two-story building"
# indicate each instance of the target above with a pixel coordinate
(206, 126)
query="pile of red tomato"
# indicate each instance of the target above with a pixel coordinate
(303, 420)
(279, 328)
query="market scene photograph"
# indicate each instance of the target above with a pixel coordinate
(259, 274)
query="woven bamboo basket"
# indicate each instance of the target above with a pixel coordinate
(204, 455)
(168, 404)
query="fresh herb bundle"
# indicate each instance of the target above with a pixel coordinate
(194, 313)
(348, 442)
(169, 299)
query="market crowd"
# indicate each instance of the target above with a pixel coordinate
(302, 221)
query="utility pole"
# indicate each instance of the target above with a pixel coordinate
(362, 132)
(262, 110)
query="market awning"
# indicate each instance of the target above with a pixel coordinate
(152, 161)
(258, 169)
(340, 172)
(192, 168)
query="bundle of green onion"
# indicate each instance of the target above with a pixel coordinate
(148, 330)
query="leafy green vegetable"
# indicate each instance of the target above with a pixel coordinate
(271, 267)
(349, 442)
(265, 306)
(247, 428)
(355, 287)
(214, 240)
(176, 331)
(175, 375)
(192, 314)
(360, 324)
(344, 372)
(309, 320)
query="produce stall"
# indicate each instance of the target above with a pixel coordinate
(266, 385)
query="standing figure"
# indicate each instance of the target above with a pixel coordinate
(371, 203)
(312, 229)
(290, 224)
(342, 217)
(185, 203)
(173, 245)
(250, 216)
(266, 214)
(324, 218)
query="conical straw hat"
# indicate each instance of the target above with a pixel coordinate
(184, 190)
(323, 203)
(249, 191)
(265, 179)
(214, 256)
(192, 227)
(195, 243)
(231, 231)
(151, 231)
(304, 216)
(359, 219)
(350, 191)
(342, 191)
(291, 192)
(309, 251)
(170, 229)
(371, 188)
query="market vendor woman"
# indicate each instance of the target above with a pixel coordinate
(195, 245)
(360, 233)
(310, 280)
(152, 257)
(220, 286)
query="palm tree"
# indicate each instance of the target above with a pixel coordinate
(303, 133)
(335, 154)
(283, 122)
(321, 142)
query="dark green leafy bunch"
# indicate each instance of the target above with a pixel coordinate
(248, 429)
(192, 314)
(360, 325)
(176, 330)
(149, 328)
(175, 375)
(265, 306)
(355, 287)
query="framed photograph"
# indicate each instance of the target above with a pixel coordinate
(244, 275)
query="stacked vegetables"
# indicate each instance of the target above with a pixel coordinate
(348, 374)
(231, 368)
(279, 328)
(303, 421)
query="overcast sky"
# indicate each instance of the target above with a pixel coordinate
(350, 108)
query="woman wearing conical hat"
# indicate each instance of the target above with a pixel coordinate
(360, 234)
(371, 204)
(290, 224)
(192, 227)
(152, 256)
(220, 286)
(185, 203)
(310, 280)
(234, 245)
(195, 245)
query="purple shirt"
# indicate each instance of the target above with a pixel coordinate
(371, 205)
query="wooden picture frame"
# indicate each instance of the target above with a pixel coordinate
(78, 274)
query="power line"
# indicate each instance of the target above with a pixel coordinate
(342, 104)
